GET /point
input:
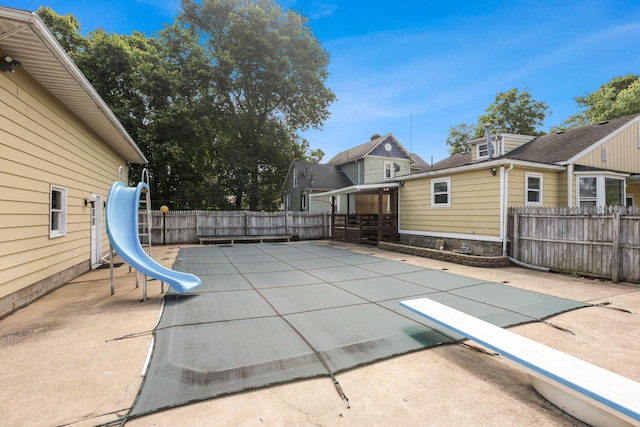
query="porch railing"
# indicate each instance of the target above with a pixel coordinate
(364, 228)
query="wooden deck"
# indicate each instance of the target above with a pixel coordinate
(364, 228)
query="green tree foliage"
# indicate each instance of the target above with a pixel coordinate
(269, 71)
(618, 98)
(459, 136)
(215, 101)
(65, 28)
(513, 111)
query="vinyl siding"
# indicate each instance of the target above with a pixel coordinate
(41, 144)
(634, 190)
(475, 205)
(623, 152)
(374, 169)
(512, 142)
(351, 170)
(552, 192)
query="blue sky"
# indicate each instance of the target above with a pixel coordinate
(416, 68)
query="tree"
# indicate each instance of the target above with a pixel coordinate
(269, 71)
(65, 28)
(459, 136)
(512, 112)
(618, 98)
(215, 101)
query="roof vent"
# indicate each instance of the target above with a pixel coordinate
(375, 136)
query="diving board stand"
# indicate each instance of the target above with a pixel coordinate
(587, 392)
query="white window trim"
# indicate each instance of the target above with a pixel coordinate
(433, 194)
(303, 201)
(528, 175)
(480, 156)
(384, 170)
(295, 178)
(62, 212)
(600, 186)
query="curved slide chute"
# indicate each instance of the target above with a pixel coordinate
(122, 229)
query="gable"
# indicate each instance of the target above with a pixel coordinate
(567, 147)
(376, 146)
(25, 37)
(619, 151)
(388, 148)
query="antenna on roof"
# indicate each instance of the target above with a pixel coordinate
(410, 133)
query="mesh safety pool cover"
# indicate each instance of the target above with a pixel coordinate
(272, 313)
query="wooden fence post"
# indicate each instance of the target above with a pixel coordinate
(515, 250)
(615, 248)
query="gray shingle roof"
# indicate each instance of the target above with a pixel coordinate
(549, 149)
(419, 164)
(560, 147)
(357, 152)
(321, 176)
(459, 159)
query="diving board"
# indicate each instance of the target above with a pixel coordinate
(592, 394)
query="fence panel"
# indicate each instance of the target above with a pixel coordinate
(602, 242)
(176, 227)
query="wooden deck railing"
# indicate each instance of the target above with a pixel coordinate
(364, 228)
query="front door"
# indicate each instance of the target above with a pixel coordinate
(96, 233)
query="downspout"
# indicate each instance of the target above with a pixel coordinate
(570, 185)
(504, 201)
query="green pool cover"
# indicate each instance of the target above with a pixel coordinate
(271, 313)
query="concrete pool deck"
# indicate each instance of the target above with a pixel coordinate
(64, 363)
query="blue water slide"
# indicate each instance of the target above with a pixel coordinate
(122, 229)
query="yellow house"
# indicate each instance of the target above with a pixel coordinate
(463, 200)
(61, 148)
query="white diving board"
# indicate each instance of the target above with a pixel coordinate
(592, 394)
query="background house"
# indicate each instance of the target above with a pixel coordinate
(353, 178)
(464, 198)
(304, 179)
(61, 148)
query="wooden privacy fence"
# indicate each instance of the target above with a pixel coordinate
(186, 226)
(602, 242)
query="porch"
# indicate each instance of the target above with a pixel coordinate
(364, 228)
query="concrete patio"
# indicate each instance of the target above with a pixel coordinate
(75, 356)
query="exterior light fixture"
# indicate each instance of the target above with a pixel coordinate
(7, 63)
(92, 199)
(493, 171)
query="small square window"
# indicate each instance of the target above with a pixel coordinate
(57, 212)
(483, 150)
(441, 192)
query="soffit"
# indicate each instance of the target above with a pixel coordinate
(25, 37)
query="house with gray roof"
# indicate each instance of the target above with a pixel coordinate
(351, 181)
(464, 198)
